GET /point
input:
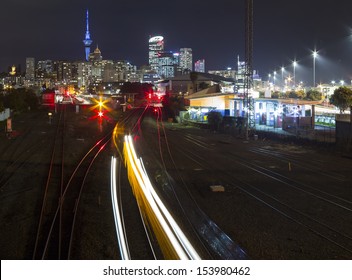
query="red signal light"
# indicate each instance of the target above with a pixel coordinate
(100, 114)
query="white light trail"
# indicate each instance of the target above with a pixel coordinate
(177, 230)
(121, 238)
(174, 234)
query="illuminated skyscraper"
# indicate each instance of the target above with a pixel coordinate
(30, 68)
(156, 46)
(186, 60)
(167, 64)
(87, 41)
(199, 66)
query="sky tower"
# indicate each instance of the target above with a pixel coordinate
(87, 41)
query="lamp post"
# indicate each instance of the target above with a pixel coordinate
(294, 73)
(315, 54)
(282, 76)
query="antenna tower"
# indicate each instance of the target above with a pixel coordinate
(248, 83)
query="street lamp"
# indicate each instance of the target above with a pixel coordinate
(274, 79)
(294, 73)
(50, 115)
(282, 76)
(315, 54)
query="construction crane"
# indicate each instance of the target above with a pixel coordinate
(248, 82)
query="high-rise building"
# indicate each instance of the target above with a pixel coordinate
(30, 68)
(66, 72)
(95, 56)
(199, 66)
(178, 69)
(87, 41)
(84, 70)
(186, 60)
(167, 64)
(156, 45)
(44, 68)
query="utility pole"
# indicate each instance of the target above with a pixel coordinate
(248, 84)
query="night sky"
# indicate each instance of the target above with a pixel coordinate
(283, 31)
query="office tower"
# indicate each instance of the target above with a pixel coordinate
(84, 71)
(87, 41)
(95, 56)
(156, 45)
(30, 68)
(66, 71)
(44, 68)
(199, 66)
(186, 60)
(166, 64)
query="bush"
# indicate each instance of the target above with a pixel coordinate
(214, 120)
(20, 100)
(313, 95)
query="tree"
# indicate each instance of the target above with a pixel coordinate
(313, 95)
(342, 98)
(298, 94)
(173, 105)
(214, 119)
(194, 79)
(20, 99)
(2, 107)
(31, 99)
(15, 100)
(203, 85)
(275, 94)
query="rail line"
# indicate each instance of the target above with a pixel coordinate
(60, 199)
(165, 238)
(320, 228)
(51, 195)
(129, 124)
(210, 238)
(312, 167)
(17, 158)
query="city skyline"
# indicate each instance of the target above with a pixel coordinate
(283, 32)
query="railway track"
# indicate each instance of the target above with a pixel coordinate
(279, 192)
(129, 216)
(15, 158)
(210, 241)
(61, 197)
(65, 208)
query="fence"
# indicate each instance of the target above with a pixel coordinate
(320, 135)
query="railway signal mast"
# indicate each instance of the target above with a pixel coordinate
(248, 83)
